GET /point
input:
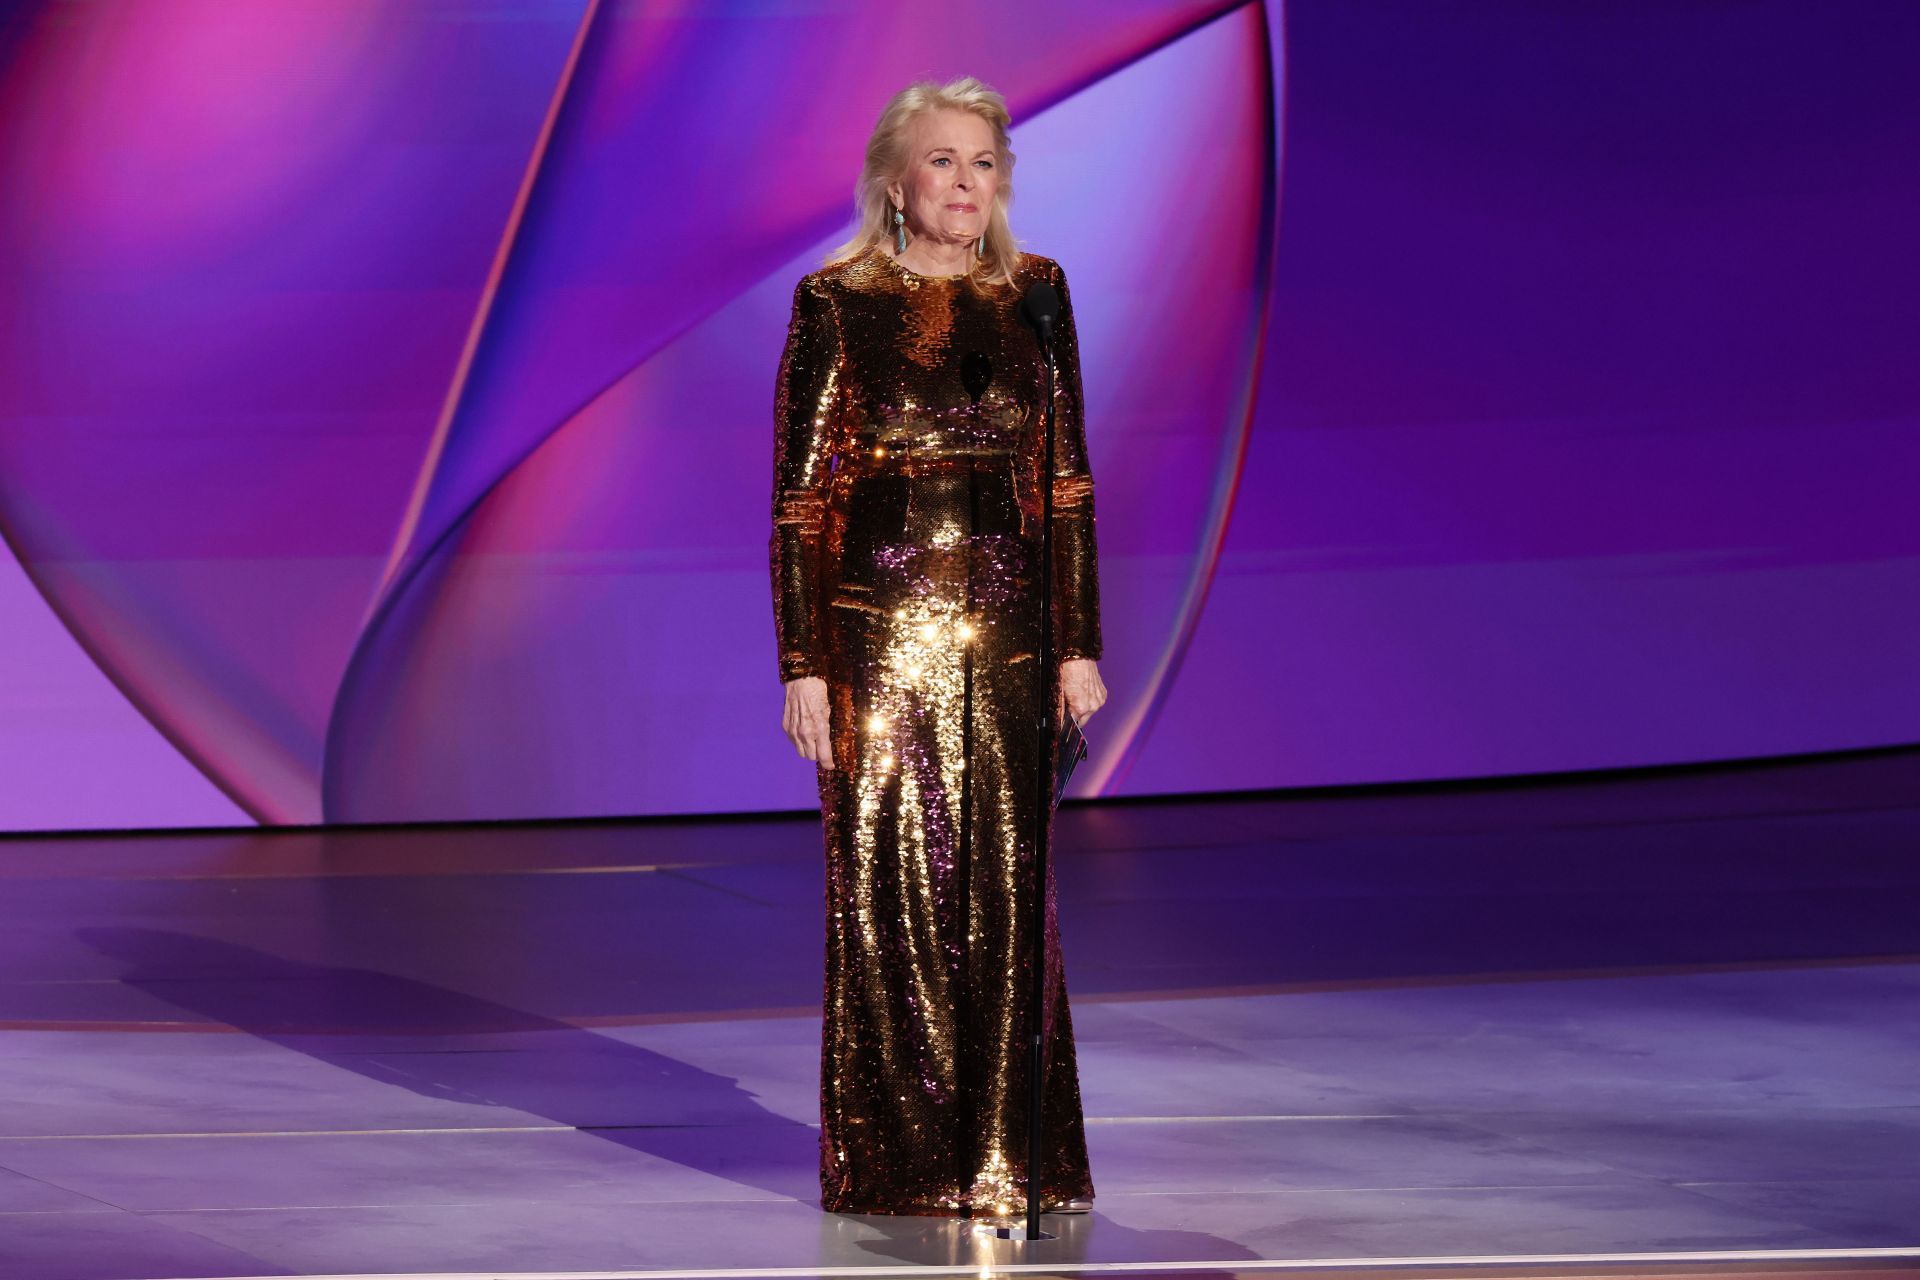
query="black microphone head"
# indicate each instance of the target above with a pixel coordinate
(976, 374)
(1041, 307)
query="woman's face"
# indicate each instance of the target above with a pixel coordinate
(952, 177)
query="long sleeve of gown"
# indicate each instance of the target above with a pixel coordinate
(805, 397)
(1076, 569)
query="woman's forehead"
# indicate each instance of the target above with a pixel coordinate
(951, 128)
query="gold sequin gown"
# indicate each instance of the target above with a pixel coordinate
(905, 559)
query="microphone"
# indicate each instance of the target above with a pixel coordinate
(1040, 308)
(976, 374)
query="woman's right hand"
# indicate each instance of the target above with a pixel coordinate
(805, 719)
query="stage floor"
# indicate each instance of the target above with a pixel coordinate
(1549, 1023)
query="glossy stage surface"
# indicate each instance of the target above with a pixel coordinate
(1554, 1023)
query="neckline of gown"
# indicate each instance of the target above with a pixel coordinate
(895, 263)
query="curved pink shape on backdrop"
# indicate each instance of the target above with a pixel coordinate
(243, 246)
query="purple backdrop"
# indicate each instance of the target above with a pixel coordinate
(385, 389)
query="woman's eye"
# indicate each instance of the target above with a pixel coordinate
(987, 163)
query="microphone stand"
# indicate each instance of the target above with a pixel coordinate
(1043, 798)
(1042, 319)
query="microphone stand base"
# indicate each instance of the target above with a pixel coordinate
(1004, 1229)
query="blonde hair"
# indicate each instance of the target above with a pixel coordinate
(887, 162)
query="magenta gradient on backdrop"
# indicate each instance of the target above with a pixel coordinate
(385, 392)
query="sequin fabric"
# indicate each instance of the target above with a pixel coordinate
(908, 460)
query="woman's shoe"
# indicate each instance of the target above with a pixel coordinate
(1079, 1204)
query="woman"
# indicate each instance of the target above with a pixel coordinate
(905, 560)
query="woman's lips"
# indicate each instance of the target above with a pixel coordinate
(963, 208)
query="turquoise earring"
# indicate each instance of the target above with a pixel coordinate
(980, 247)
(899, 231)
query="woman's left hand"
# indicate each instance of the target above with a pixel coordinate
(1081, 690)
